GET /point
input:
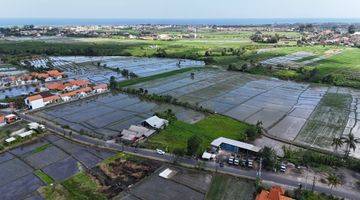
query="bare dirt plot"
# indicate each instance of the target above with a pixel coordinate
(121, 172)
(328, 120)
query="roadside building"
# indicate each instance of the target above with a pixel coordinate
(55, 74)
(142, 131)
(10, 140)
(155, 122)
(79, 83)
(233, 146)
(275, 193)
(49, 98)
(34, 102)
(100, 88)
(55, 86)
(129, 135)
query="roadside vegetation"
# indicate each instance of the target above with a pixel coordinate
(81, 186)
(319, 160)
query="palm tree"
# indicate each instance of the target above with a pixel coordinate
(333, 181)
(351, 142)
(337, 142)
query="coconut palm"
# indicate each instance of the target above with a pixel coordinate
(351, 141)
(333, 181)
(337, 142)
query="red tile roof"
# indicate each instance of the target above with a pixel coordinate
(275, 193)
(100, 86)
(51, 98)
(34, 98)
(54, 73)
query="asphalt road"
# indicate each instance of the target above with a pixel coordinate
(211, 166)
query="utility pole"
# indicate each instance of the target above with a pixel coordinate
(313, 185)
(260, 167)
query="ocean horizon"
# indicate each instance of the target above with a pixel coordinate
(248, 21)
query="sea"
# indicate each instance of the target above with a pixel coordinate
(250, 21)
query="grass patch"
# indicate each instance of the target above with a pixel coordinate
(44, 177)
(81, 186)
(150, 78)
(335, 100)
(214, 126)
(227, 187)
(41, 148)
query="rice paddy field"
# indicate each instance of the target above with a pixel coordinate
(27, 168)
(227, 187)
(99, 69)
(107, 115)
(306, 113)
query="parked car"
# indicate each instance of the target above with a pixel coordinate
(283, 167)
(231, 160)
(236, 161)
(250, 163)
(221, 164)
(160, 152)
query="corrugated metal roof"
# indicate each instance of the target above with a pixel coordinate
(221, 140)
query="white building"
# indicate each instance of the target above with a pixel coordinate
(156, 122)
(34, 102)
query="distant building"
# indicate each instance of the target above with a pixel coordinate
(100, 88)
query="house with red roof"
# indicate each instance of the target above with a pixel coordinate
(275, 193)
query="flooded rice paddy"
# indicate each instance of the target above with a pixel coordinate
(99, 69)
(60, 159)
(287, 109)
(107, 115)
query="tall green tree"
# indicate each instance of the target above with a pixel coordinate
(351, 141)
(337, 142)
(333, 181)
(269, 158)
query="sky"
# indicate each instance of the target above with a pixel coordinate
(179, 9)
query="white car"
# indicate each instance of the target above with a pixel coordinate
(231, 160)
(236, 161)
(160, 152)
(283, 167)
(250, 163)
